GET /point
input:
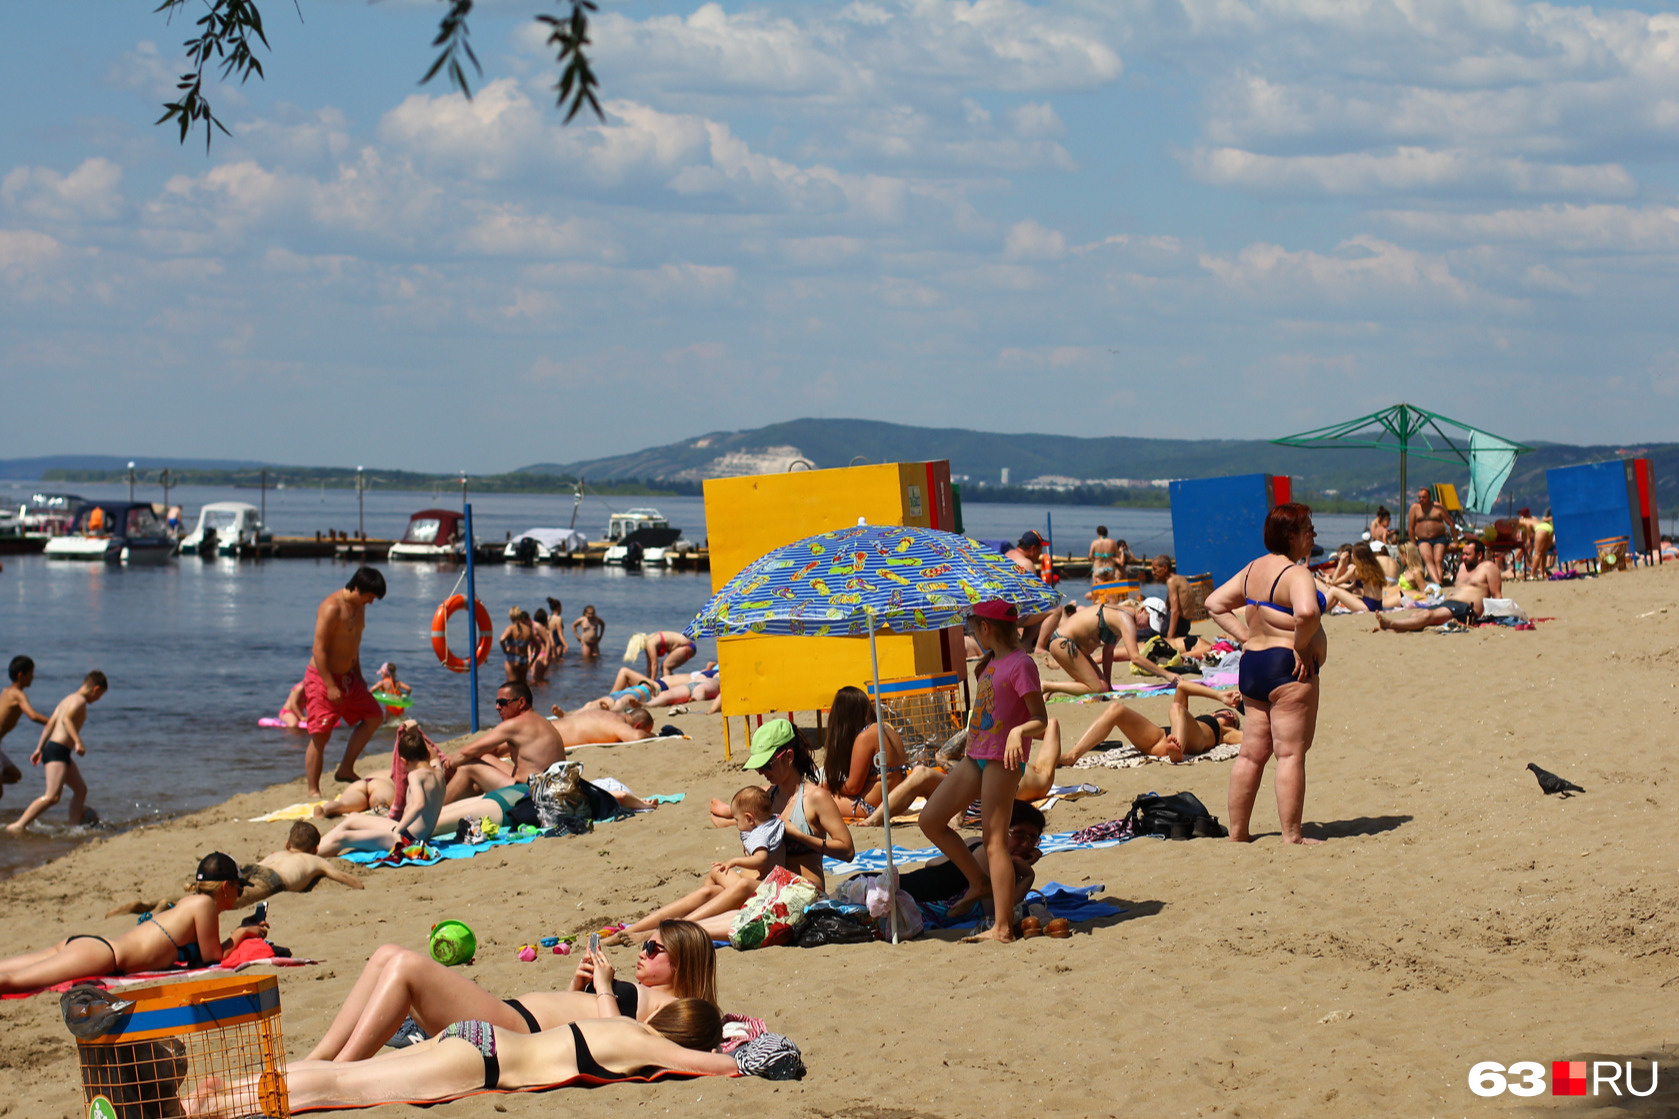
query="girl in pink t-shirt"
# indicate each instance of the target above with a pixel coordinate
(1008, 713)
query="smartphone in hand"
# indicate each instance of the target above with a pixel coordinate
(594, 943)
(259, 916)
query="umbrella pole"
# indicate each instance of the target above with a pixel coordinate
(885, 789)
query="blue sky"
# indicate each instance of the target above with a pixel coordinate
(1202, 218)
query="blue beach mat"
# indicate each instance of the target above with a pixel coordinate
(873, 861)
(1075, 903)
(439, 851)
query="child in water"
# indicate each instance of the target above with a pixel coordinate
(61, 736)
(1008, 712)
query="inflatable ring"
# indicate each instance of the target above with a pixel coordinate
(440, 632)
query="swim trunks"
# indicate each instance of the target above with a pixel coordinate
(55, 752)
(1443, 538)
(509, 795)
(1461, 611)
(355, 703)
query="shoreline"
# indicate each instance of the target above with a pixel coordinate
(1457, 915)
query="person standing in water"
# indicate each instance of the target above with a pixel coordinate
(1104, 557)
(589, 630)
(14, 705)
(333, 684)
(61, 741)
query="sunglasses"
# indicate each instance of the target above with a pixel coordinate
(500, 703)
(651, 949)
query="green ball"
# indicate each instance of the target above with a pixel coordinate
(452, 943)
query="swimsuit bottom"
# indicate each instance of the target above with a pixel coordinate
(1461, 611)
(264, 882)
(509, 795)
(530, 1019)
(55, 752)
(90, 936)
(1262, 671)
(1443, 538)
(481, 1036)
(1372, 604)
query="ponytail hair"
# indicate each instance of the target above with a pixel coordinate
(691, 1023)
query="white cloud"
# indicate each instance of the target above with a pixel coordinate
(1028, 240)
(1583, 228)
(1405, 170)
(1362, 266)
(90, 192)
(23, 251)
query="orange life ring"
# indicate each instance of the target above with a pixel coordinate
(440, 632)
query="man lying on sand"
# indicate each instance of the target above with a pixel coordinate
(293, 869)
(1462, 605)
(593, 724)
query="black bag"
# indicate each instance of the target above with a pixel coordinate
(832, 927)
(1181, 816)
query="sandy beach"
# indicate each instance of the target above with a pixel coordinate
(1456, 914)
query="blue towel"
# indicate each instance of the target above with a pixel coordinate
(874, 860)
(449, 849)
(1072, 902)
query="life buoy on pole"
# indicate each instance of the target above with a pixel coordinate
(440, 632)
(1046, 567)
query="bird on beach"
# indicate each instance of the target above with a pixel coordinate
(1551, 783)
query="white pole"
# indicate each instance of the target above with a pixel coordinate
(885, 790)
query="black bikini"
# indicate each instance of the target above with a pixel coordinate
(519, 1009)
(1213, 725)
(586, 1063)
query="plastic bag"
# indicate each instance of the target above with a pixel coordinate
(774, 911)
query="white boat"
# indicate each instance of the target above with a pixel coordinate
(115, 531)
(232, 528)
(51, 513)
(640, 537)
(438, 535)
(620, 525)
(543, 545)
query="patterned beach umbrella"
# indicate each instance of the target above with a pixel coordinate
(907, 580)
(854, 582)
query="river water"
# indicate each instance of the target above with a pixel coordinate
(197, 651)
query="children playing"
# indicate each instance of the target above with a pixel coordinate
(761, 835)
(14, 705)
(189, 935)
(1008, 712)
(61, 740)
(293, 869)
(413, 815)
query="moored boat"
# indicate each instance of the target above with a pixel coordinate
(438, 535)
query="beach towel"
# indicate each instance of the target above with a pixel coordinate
(1075, 903)
(303, 810)
(578, 1081)
(1126, 756)
(637, 742)
(873, 861)
(444, 850)
(115, 982)
(1152, 686)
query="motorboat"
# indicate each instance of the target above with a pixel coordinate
(644, 547)
(229, 528)
(50, 513)
(433, 534)
(620, 525)
(543, 545)
(115, 531)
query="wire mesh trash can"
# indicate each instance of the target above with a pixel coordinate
(1612, 553)
(924, 710)
(144, 1051)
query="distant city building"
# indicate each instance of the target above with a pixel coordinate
(1005, 476)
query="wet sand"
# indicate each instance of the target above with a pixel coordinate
(1456, 914)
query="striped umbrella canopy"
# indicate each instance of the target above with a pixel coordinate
(906, 579)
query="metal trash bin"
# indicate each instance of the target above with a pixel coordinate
(144, 1049)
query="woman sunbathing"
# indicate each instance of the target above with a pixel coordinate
(1183, 736)
(850, 765)
(475, 1056)
(188, 935)
(1080, 633)
(814, 824)
(677, 962)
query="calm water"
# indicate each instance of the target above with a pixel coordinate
(196, 652)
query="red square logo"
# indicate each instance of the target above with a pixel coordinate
(1568, 1078)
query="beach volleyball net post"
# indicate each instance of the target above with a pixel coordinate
(164, 1042)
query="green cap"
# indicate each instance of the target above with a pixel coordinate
(766, 740)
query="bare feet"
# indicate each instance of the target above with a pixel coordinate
(966, 903)
(346, 778)
(1174, 749)
(1381, 623)
(1304, 841)
(996, 934)
(14, 829)
(203, 1098)
(555, 708)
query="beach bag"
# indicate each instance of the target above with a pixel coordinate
(558, 796)
(774, 911)
(834, 926)
(1160, 651)
(1180, 816)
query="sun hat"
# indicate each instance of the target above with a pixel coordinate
(996, 610)
(767, 741)
(217, 867)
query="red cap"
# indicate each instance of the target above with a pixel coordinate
(996, 610)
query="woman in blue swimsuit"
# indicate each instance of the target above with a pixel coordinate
(1283, 646)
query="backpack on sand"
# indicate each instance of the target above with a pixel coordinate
(1181, 816)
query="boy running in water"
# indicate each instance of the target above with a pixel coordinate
(61, 736)
(15, 705)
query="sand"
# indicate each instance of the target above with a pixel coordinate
(1456, 915)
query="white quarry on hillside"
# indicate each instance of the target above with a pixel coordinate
(766, 460)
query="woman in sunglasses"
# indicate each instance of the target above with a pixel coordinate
(676, 962)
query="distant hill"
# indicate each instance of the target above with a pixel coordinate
(28, 469)
(1358, 474)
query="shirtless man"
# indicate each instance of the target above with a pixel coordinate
(14, 705)
(1104, 557)
(592, 724)
(1028, 556)
(589, 629)
(1177, 600)
(1478, 570)
(62, 734)
(500, 761)
(292, 870)
(1425, 524)
(1462, 605)
(333, 684)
